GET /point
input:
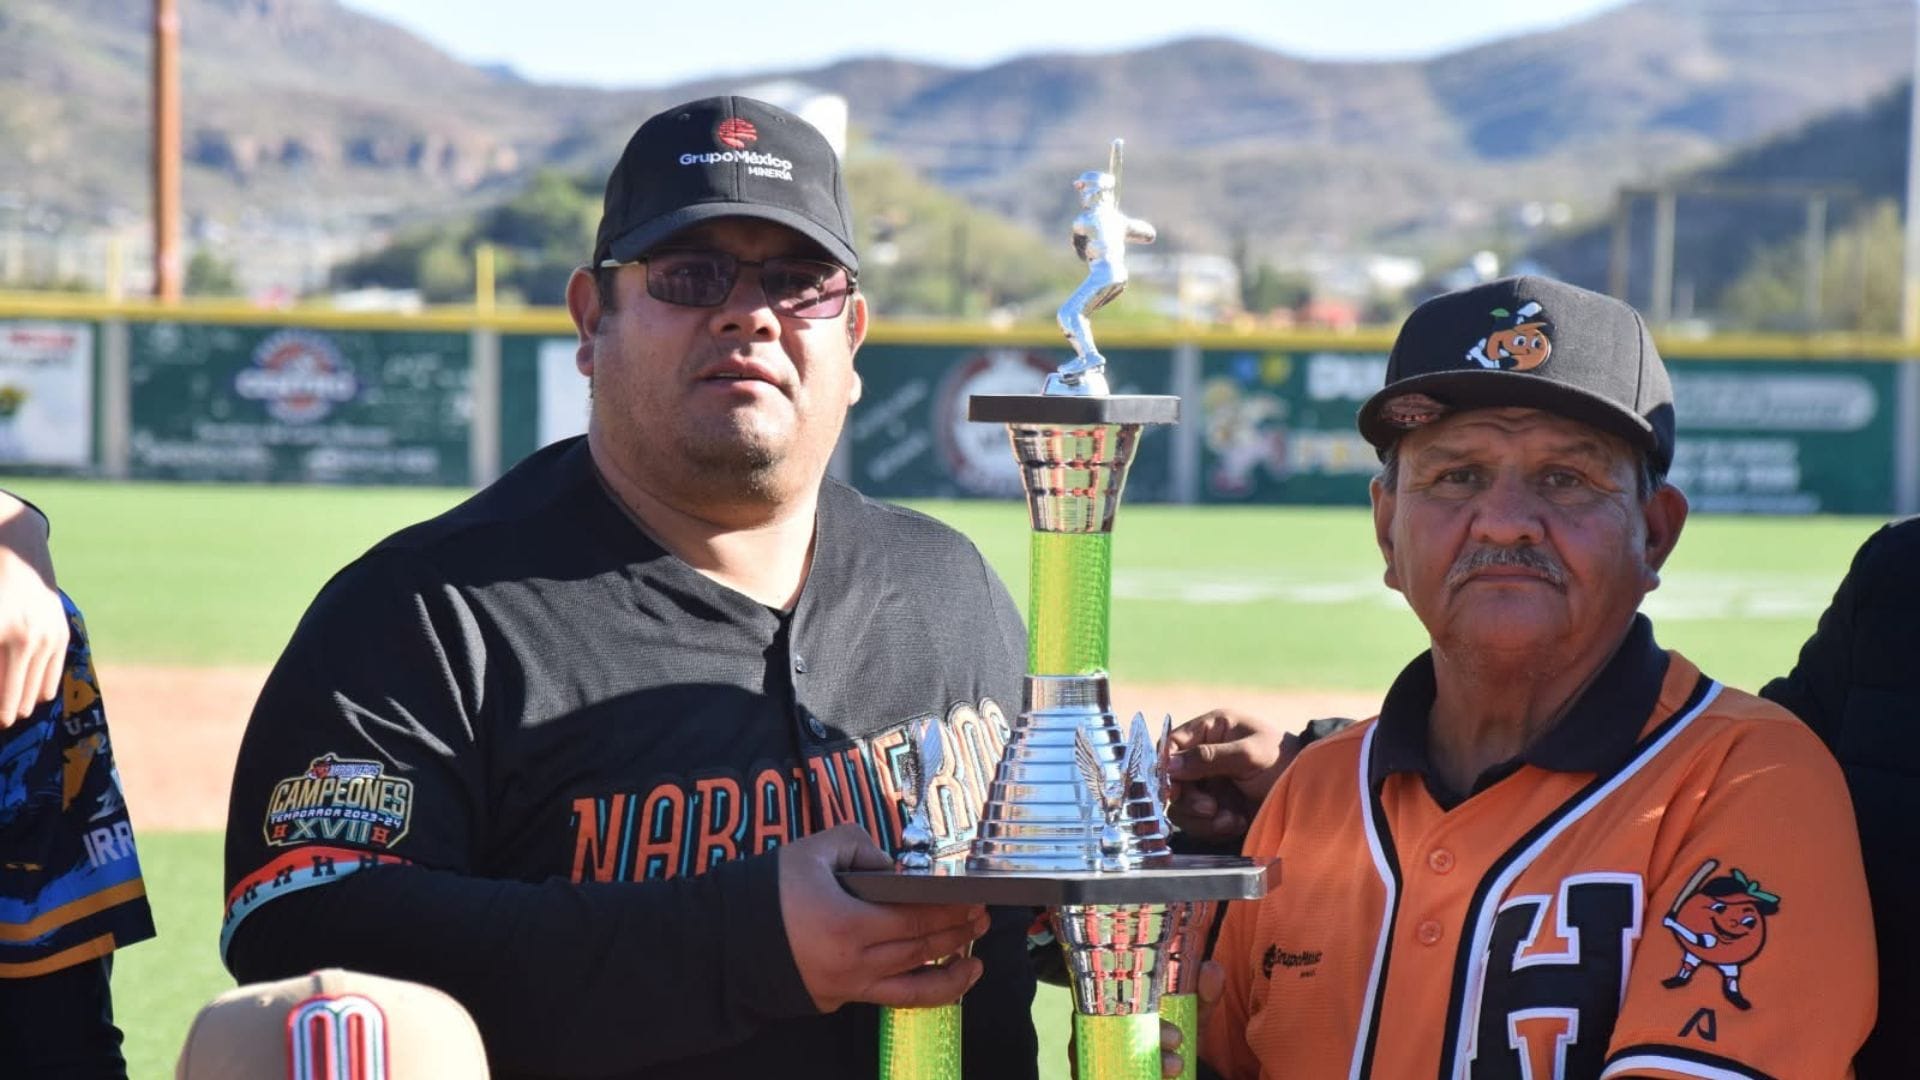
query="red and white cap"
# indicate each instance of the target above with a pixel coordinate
(332, 1025)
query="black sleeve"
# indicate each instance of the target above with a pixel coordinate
(996, 1030)
(358, 815)
(1012, 634)
(561, 978)
(997, 1033)
(1816, 689)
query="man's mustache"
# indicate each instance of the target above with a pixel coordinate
(1526, 556)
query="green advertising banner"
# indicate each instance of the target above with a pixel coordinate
(1775, 437)
(1277, 426)
(269, 404)
(1785, 438)
(1271, 425)
(543, 396)
(909, 436)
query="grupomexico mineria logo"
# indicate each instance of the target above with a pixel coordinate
(737, 137)
(736, 134)
(299, 375)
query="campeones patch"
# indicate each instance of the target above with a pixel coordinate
(339, 800)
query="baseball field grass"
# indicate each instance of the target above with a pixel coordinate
(198, 576)
(1250, 596)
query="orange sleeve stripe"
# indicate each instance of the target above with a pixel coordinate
(72, 913)
(65, 958)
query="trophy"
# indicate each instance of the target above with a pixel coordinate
(1075, 819)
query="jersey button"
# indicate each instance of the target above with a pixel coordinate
(799, 664)
(1428, 932)
(1440, 860)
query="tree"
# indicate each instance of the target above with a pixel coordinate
(539, 236)
(435, 259)
(1267, 288)
(945, 257)
(554, 211)
(210, 275)
(1860, 280)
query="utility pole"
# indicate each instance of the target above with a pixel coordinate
(1620, 245)
(1660, 304)
(1813, 251)
(1910, 279)
(166, 150)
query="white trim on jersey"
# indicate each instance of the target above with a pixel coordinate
(1483, 919)
(1523, 958)
(1560, 1042)
(1386, 912)
(1628, 1065)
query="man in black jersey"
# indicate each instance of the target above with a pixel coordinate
(585, 750)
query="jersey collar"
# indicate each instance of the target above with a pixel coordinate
(1596, 735)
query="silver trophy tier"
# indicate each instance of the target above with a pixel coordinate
(1075, 818)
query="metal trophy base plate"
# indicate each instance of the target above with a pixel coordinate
(1182, 878)
(1053, 409)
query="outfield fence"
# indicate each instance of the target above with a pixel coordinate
(230, 393)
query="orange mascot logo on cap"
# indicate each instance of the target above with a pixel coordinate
(1520, 347)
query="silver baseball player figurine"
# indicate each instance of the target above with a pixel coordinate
(1100, 237)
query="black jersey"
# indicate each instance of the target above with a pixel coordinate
(521, 753)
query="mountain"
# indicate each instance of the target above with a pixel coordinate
(290, 107)
(1753, 200)
(1226, 135)
(303, 114)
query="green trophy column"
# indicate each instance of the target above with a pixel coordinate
(1070, 587)
(1183, 1012)
(920, 1044)
(1116, 1047)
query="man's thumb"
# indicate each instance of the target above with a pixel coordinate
(851, 848)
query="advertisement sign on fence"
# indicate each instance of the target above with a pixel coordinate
(1759, 437)
(1755, 436)
(46, 394)
(1270, 425)
(909, 436)
(302, 405)
(543, 396)
(1278, 426)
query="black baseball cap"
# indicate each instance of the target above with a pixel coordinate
(1532, 342)
(725, 157)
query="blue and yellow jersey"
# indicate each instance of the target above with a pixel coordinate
(70, 886)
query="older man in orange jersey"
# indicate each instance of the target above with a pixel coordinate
(1559, 850)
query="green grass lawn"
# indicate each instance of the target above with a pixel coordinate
(158, 985)
(1261, 596)
(204, 575)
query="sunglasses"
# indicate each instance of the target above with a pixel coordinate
(802, 288)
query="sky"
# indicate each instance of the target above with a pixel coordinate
(629, 43)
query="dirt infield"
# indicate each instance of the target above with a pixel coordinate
(175, 730)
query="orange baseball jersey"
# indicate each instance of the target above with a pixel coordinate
(1666, 884)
